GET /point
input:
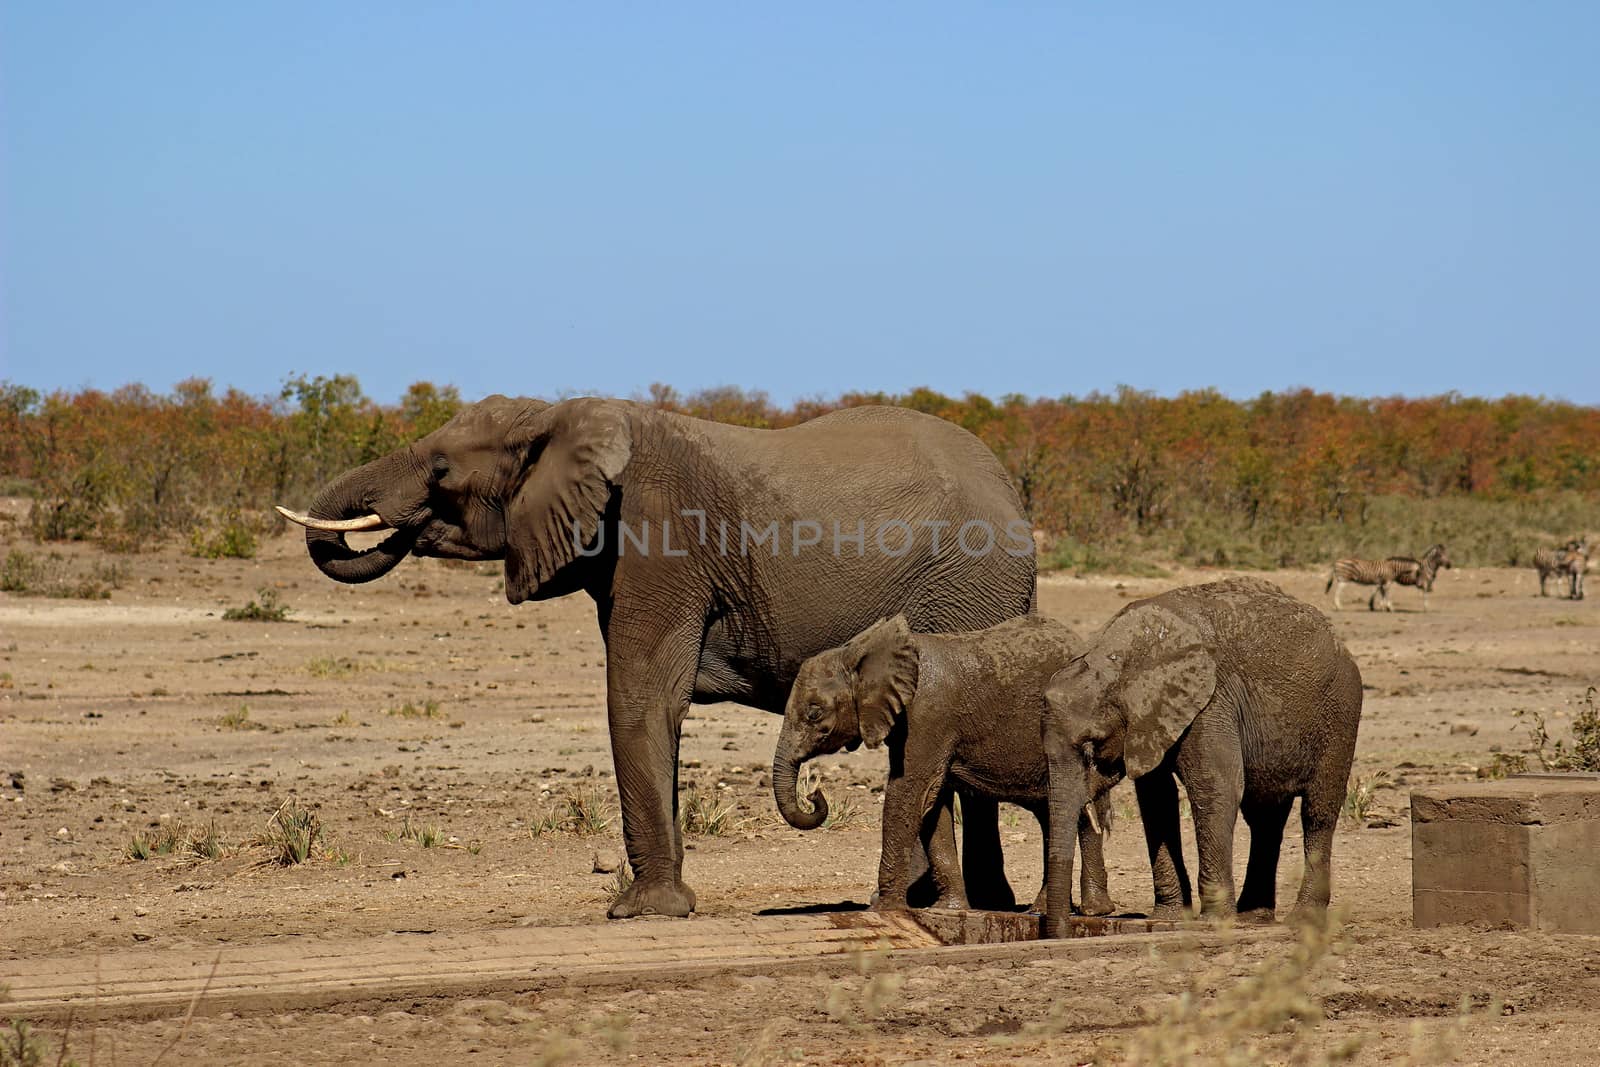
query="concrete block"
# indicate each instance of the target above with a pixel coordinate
(1524, 851)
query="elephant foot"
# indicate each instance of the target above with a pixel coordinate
(653, 898)
(954, 900)
(890, 902)
(1170, 912)
(1258, 916)
(1097, 904)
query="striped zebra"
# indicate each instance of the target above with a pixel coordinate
(1569, 562)
(1396, 570)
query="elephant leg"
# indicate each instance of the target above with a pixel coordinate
(1258, 900)
(1157, 793)
(923, 890)
(1212, 771)
(648, 689)
(983, 862)
(944, 864)
(1042, 901)
(908, 799)
(1319, 814)
(1094, 897)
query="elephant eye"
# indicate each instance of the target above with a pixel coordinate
(441, 467)
(814, 713)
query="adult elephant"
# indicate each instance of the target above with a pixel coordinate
(719, 557)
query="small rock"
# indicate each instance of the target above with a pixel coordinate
(1464, 727)
(63, 834)
(141, 937)
(141, 912)
(606, 862)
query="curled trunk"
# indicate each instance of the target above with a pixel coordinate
(785, 790)
(349, 496)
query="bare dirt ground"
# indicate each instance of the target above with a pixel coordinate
(425, 702)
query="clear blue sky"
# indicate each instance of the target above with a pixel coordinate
(804, 198)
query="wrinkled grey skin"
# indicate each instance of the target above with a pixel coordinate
(514, 479)
(960, 713)
(1249, 698)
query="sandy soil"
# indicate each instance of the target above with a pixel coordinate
(121, 716)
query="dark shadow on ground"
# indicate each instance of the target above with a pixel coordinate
(815, 909)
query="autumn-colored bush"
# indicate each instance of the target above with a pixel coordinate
(1112, 480)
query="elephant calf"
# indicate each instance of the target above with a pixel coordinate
(1243, 692)
(962, 714)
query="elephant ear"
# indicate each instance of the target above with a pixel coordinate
(884, 664)
(572, 454)
(1168, 679)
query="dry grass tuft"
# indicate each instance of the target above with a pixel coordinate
(291, 835)
(857, 1002)
(428, 709)
(1361, 797)
(173, 839)
(585, 812)
(239, 719)
(156, 841)
(700, 815)
(1268, 1016)
(426, 836)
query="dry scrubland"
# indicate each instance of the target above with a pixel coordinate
(440, 761)
(1124, 483)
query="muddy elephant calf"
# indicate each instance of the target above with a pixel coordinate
(1249, 698)
(961, 715)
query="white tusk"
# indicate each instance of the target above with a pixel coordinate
(365, 522)
(1094, 820)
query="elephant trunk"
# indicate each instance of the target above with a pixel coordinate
(1094, 891)
(1069, 792)
(785, 777)
(352, 495)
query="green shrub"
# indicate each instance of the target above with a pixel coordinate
(1583, 751)
(19, 572)
(230, 539)
(52, 576)
(265, 608)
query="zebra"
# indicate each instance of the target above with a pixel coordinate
(1569, 561)
(1396, 570)
(1434, 560)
